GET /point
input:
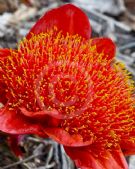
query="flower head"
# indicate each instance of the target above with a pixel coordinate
(62, 84)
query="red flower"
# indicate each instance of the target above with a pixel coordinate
(60, 84)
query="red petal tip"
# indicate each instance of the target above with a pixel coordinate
(106, 46)
(68, 18)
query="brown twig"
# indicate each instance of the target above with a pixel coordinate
(22, 161)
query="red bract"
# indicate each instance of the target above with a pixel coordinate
(62, 84)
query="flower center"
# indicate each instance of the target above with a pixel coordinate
(50, 71)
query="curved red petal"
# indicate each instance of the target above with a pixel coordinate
(65, 138)
(16, 123)
(115, 159)
(41, 114)
(93, 159)
(105, 46)
(45, 118)
(4, 52)
(88, 161)
(128, 148)
(3, 98)
(67, 18)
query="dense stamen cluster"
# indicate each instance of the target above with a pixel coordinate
(51, 66)
(67, 73)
